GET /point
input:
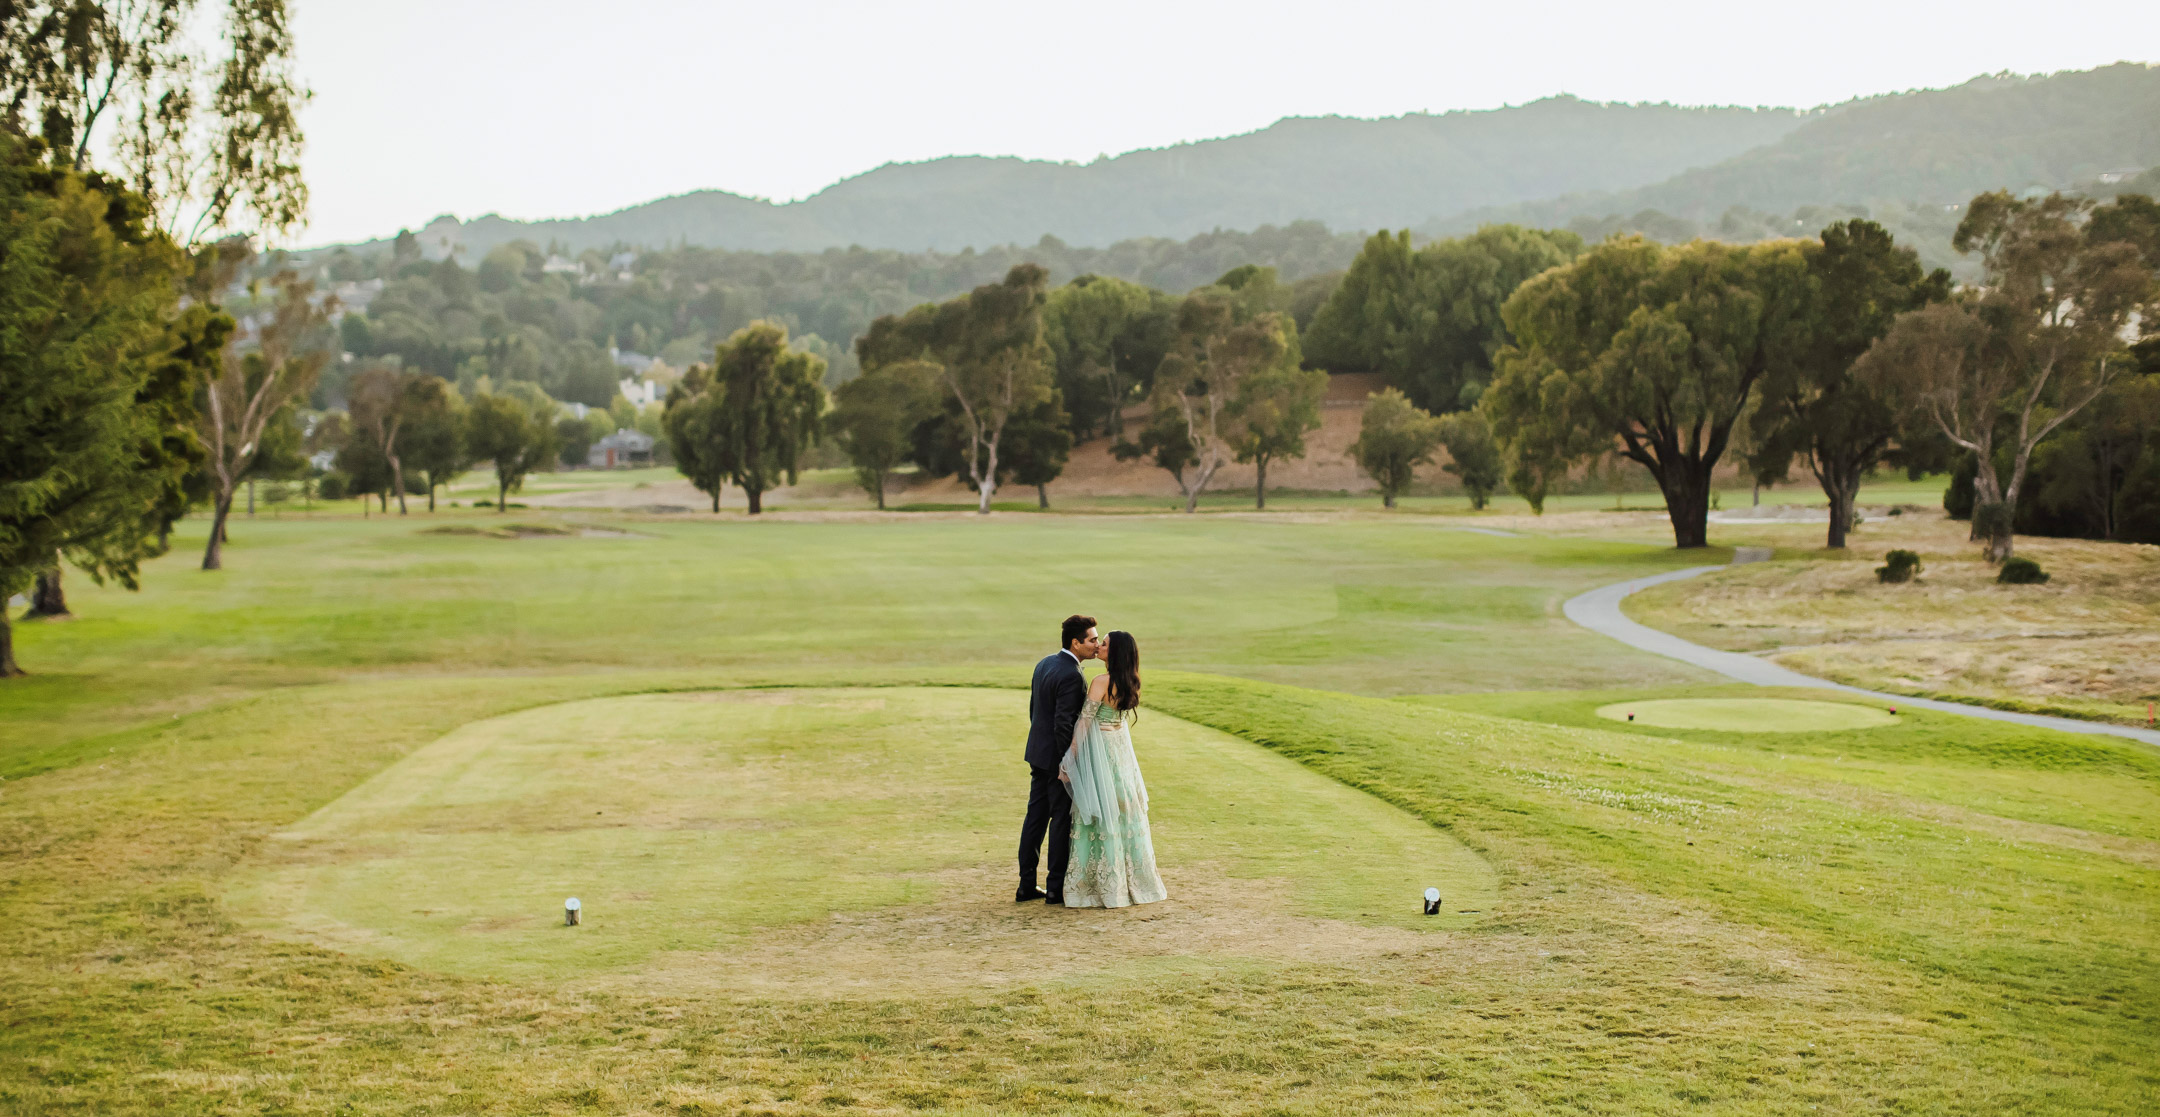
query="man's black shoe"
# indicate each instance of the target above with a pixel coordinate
(1057, 898)
(1026, 894)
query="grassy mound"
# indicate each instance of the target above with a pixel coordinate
(694, 827)
(1748, 715)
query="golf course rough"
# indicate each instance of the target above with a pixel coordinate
(802, 827)
(1749, 715)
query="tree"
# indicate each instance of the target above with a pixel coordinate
(874, 415)
(434, 439)
(1812, 407)
(1164, 442)
(575, 436)
(694, 431)
(1037, 445)
(204, 139)
(1430, 318)
(770, 399)
(1203, 377)
(95, 378)
(1657, 348)
(1395, 438)
(1276, 408)
(383, 401)
(2032, 347)
(988, 347)
(1473, 458)
(514, 428)
(1105, 336)
(252, 386)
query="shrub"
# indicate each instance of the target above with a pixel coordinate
(2021, 572)
(1899, 566)
(334, 486)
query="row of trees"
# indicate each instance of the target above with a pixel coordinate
(1839, 352)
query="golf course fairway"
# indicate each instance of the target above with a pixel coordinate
(817, 839)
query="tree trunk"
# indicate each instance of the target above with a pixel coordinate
(757, 500)
(397, 481)
(251, 498)
(8, 666)
(431, 494)
(1260, 486)
(716, 502)
(502, 494)
(881, 490)
(1042, 495)
(1687, 502)
(213, 555)
(1387, 498)
(1842, 485)
(47, 599)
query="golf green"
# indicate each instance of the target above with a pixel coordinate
(772, 837)
(1749, 715)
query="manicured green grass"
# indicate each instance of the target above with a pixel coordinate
(1747, 715)
(688, 824)
(1936, 915)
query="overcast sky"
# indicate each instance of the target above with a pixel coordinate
(549, 108)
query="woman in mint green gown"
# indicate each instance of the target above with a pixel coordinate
(1113, 857)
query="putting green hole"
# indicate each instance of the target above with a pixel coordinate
(1749, 715)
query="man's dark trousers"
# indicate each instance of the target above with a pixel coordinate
(1054, 698)
(1049, 808)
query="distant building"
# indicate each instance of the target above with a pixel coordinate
(640, 391)
(623, 448)
(2110, 178)
(623, 358)
(561, 265)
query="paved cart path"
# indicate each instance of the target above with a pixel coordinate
(1599, 611)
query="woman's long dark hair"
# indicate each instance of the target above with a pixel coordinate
(1124, 665)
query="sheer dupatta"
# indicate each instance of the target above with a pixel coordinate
(1113, 854)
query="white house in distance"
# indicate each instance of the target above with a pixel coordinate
(620, 450)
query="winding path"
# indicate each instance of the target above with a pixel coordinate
(1599, 611)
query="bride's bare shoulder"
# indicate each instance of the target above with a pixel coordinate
(1099, 685)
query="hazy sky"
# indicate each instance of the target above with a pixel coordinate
(548, 108)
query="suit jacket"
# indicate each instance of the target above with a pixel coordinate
(1054, 700)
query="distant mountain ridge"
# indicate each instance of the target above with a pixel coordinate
(1547, 162)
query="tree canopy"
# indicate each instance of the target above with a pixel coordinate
(1429, 318)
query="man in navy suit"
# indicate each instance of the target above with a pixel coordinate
(1054, 700)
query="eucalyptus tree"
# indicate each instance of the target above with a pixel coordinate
(1812, 406)
(252, 387)
(386, 401)
(1203, 378)
(198, 117)
(875, 415)
(991, 359)
(1276, 408)
(2039, 340)
(1652, 351)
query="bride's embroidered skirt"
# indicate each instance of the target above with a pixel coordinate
(1113, 855)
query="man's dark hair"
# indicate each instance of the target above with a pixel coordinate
(1075, 628)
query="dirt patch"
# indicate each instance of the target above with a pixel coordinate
(975, 935)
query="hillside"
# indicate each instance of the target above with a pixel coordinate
(1908, 160)
(1551, 162)
(1349, 174)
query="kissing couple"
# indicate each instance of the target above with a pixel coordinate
(1085, 791)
